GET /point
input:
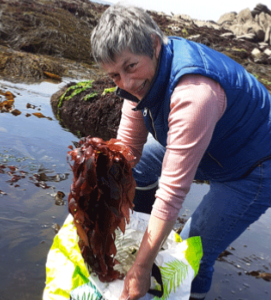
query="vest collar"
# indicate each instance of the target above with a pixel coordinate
(159, 83)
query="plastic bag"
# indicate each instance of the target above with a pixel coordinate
(67, 276)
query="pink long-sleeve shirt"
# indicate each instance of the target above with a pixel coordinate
(196, 105)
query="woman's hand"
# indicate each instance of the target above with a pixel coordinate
(136, 283)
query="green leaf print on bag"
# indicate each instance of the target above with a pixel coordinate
(173, 275)
(195, 253)
(86, 297)
(87, 291)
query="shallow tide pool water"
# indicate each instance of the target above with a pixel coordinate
(28, 211)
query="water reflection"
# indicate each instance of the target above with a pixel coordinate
(28, 212)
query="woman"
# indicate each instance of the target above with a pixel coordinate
(210, 120)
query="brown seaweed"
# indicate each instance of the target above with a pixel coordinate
(101, 196)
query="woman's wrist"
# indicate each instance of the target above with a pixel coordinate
(155, 235)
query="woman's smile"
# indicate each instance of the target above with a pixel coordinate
(141, 91)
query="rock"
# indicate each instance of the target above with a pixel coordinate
(244, 16)
(228, 35)
(262, 58)
(238, 29)
(193, 37)
(241, 53)
(259, 32)
(240, 40)
(59, 198)
(99, 116)
(267, 38)
(56, 227)
(28, 67)
(263, 45)
(227, 18)
(57, 28)
(260, 8)
(46, 36)
(264, 20)
(185, 17)
(255, 52)
(207, 24)
(249, 37)
(175, 28)
(249, 22)
(267, 52)
(249, 27)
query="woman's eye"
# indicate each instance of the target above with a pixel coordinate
(131, 66)
(114, 76)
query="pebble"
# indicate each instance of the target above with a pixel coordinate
(267, 52)
(193, 37)
(246, 285)
(256, 52)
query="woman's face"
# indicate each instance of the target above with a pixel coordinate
(133, 73)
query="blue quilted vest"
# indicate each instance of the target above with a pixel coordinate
(242, 137)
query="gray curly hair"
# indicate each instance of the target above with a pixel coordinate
(122, 27)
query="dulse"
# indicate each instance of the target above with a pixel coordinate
(101, 195)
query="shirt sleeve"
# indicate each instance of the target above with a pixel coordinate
(197, 104)
(132, 130)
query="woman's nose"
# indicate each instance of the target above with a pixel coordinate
(127, 83)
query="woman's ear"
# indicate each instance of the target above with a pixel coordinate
(156, 46)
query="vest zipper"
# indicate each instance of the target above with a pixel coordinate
(214, 159)
(145, 111)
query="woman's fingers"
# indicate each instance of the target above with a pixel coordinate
(136, 284)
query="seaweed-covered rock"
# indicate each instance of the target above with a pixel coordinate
(19, 66)
(46, 36)
(58, 28)
(89, 108)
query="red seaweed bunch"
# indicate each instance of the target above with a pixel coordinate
(101, 196)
